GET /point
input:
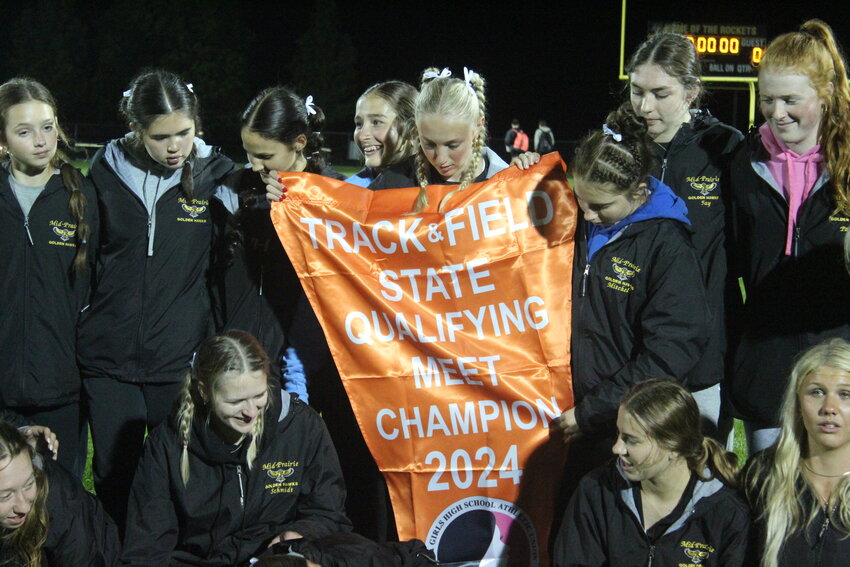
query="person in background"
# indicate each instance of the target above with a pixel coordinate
(544, 139)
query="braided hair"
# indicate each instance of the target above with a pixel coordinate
(230, 352)
(450, 97)
(620, 158)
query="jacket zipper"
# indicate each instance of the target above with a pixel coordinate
(27, 228)
(796, 240)
(651, 555)
(663, 168)
(584, 279)
(241, 488)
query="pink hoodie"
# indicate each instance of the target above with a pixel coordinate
(795, 173)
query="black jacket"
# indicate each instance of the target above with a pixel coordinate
(638, 312)
(80, 533)
(793, 302)
(149, 311)
(695, 164)
(228, 513)
(820, 544)
(255, 288)
(602, 526)
(42, 295)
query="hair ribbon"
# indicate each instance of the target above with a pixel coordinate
(467, 79)
(609, 132)
(444, 74)
(191, 87)
(308, 104)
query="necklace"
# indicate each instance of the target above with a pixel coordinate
(805, 464)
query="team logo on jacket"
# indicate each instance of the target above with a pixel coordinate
(279, 473)
(64, 231)
(840, 219)
(703, 186)
(622, 273)
(194, 210)
(696, 552)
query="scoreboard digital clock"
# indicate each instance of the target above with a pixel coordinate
(732, 50)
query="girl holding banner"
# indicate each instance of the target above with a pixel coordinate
(639, 307)
(669, 497)
(383, 131)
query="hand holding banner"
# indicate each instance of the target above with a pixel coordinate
(451, 334)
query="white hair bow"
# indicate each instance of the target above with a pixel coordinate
(308, 104)
(127, 93)
(467, 79)
(444, 74)
(191, 87)
(609, 132)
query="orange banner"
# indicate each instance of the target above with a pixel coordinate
(451, 334)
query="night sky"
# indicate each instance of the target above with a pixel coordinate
(556, 60)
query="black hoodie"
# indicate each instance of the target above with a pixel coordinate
(793, 302)
(151, 306)
(228, 512)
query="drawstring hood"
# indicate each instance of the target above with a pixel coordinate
(796, 174)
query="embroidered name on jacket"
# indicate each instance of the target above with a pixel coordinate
(841, 219)
(64, 232)
(697, 553)
(192, 211)
(703, 189)
(622, 272)
(278, 475)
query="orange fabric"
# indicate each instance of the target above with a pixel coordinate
(451, 334)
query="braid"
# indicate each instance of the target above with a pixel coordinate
(422, 167)
(187, 184)
(77, 208)
(185, 416)
(256, 435)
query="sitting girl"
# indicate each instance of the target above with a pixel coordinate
(669, 496)
(238, 467)
(48, 527)
(800, 487)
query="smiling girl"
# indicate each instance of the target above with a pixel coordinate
(791, 191)
(47, 234)
(151, 306)
(239, 466)
(48, 527)
(668, 498)
(383, 131)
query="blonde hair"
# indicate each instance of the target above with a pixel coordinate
(401, 97)
(774, 478)
(814, 52)
(27, 540)
(450, 96)
(670, 416)
(234, 352)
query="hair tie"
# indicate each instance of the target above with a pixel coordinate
(609, 132)
(308, 104)
(444, 74)
(191, 87)
(192, 362)
(467, 79)
(127, 93)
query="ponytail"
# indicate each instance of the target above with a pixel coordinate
(717, 459)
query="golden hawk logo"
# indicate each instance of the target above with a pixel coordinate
(696, 555)
(623, 273)
(193, 210)
(279, 475)
(64, 233)
(704, 187)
